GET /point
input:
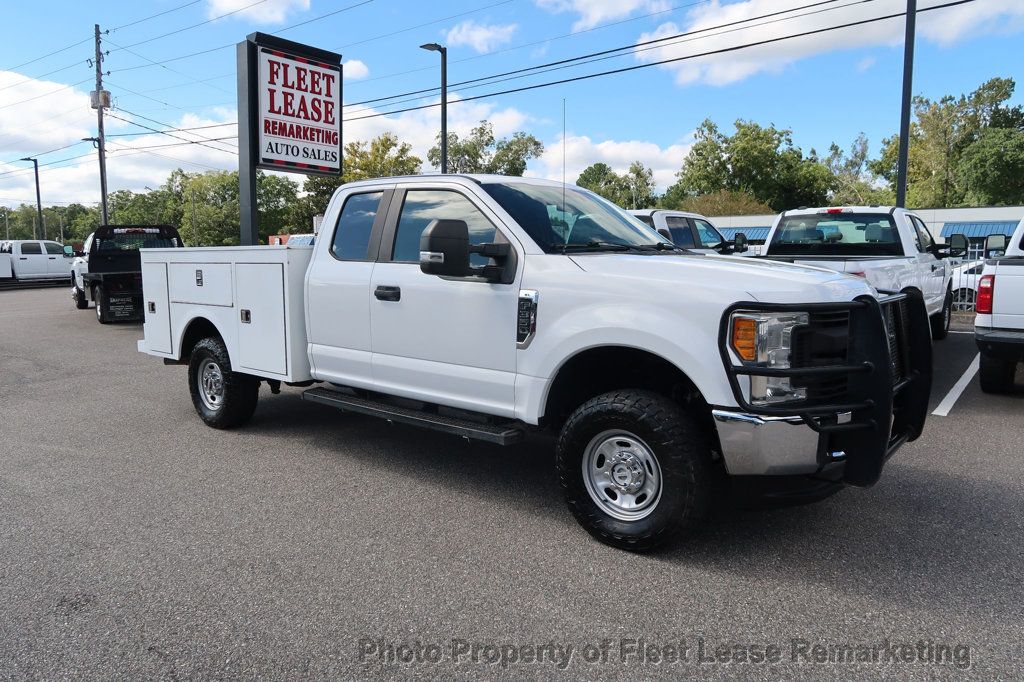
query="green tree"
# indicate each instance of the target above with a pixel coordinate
(760, 161)
(991, 169)
(480, 152)
(638, 184)
(855, 183)
(601, 179)
(722, 202)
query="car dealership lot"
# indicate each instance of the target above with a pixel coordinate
(135, 541)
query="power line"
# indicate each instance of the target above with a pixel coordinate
(49, 54)
(324, 16)
(631, 46)
(667, 61)
(189, 28)
(176, 130)
(46, 94)
(167, 68)
(154, 16)
(199, 142)
(536, 42)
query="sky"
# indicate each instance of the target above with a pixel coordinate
(171, 65)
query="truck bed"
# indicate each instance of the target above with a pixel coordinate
(253, 295)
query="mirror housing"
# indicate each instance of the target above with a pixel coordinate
(995, 243)
(663, 231)
(444, 249)
(69, 251)
(740, 243)
(957, 246)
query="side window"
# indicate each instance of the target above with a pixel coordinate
(423, 206)
(924, 238)
(680, 230)
(31, 249)
(709, 236)
(355, 224)
(54, 249)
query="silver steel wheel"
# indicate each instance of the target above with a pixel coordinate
(211, 384)
(622, 475)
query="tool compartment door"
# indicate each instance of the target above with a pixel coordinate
(156, 308)
(262, 335)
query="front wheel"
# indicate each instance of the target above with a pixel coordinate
(635, 468)
(223, 399)
(940, 320)
(997, 374)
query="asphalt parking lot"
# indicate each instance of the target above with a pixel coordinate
(135, 542)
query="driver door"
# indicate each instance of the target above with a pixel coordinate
(441, 339)
(932, 269)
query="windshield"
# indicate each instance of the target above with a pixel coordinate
(562, 219)
(845, 234)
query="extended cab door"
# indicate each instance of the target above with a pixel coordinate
(338, 290)
(57, 265)
(931, 269)
(29, 261)
(445, 340)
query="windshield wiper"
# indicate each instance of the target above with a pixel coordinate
(660, 246)
(593, 246)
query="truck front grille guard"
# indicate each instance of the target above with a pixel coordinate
(889, 336)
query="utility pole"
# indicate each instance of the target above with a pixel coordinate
(7, 223)
(908, 80)
(39, 201)
(100, 101)
(434, 47)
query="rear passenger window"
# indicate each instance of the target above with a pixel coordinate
(352, 235)
(31, 249)
(54, 249)
(679, 228)
(423, 206)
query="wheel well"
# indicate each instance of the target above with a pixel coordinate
(197, 330)
(599, 370)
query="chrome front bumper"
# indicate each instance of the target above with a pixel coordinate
(754, 445)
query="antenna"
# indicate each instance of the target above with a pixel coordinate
(563, 155)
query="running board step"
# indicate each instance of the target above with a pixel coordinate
(502, 434)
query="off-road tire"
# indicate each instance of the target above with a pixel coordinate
(240, 391)
(996, 374)
(940, 321)
(81, 300)
(681, 446)
(100, 297)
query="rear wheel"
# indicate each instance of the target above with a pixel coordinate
(100, 298)
(940, 320)
(635, 468)
(997, 374)
(963, 299)
(223, 399)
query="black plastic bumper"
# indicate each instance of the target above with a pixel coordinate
(1007, 344)
(887, 371)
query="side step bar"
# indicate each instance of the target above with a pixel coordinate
(502, 434)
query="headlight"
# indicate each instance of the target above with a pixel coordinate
(761, 339)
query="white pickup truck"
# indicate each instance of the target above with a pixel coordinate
(999, 324)
(487, 306)
(889, 247)
(687, 230)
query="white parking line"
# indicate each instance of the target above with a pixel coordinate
(954, 393)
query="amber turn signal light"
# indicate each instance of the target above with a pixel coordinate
(744, 338)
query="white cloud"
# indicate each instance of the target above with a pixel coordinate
(480, 37)
(355, 70)
(945, 26)
(265, 12)
(581, 151)
(594, 12)
(866, 63)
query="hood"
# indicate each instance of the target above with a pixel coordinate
(760, 280)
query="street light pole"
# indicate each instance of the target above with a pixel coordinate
(39, 201)
(434, 47)
(908, 79)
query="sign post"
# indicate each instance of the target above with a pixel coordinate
(289, 115)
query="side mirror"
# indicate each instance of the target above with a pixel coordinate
(69, 251)
(444, 249)
(740, 243)
(957, 246)
(665, 233)
(995, 244)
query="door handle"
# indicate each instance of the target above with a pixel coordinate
(934, 267)
(53, 258)
(23, 258)
(385, 293)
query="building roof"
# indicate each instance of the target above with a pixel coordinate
(979, 228)
(753, 233)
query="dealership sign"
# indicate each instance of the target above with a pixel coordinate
(289, 116)
(299, 112)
